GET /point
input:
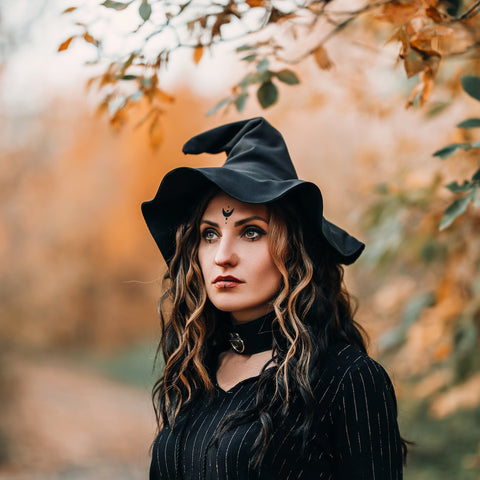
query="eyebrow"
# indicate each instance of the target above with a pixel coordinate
(239, 222)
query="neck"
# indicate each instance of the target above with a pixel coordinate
(252, 337)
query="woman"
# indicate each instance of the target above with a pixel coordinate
(266, 372)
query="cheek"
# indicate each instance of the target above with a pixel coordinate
(268, 274)
(275, 278)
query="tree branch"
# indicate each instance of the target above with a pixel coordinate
(469, 12)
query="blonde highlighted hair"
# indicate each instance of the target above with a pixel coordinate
(313, 311)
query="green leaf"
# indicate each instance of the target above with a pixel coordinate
(287, 76)
(250, 58)
(414, 307)
(437, 108)
(249, 79)
(129, 77)
(391, 339)
(432, 250)
(476, 144)
(265, 76)
(476, 176)
(136, 96)
(244, 48)
(476, 200)
(219, 105)
(456, 188)
(451, 149)
(454, 210)
(262, 66)
(115, 5)
(116, 104)
(128, 62)
(240, 101)
(382, 188)
(471, 85)
(267, 94)
(470, 123)
(145, 10)
(411, 313)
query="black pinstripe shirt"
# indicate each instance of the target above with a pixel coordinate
(354, 436)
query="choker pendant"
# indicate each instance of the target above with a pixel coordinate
(236, 342)
(253, 337)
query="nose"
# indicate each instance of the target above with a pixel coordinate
(226, 254)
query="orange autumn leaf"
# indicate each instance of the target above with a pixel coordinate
(156, 133)
(153, 112)
(102, 108)
(118, 119)
(255, 3)
(222, 19)
(321, 58)
(433, 40)
(107, 78)
(424, 88)
(413, 62)
(397, 12)
(428, 79)
(443, 351)
(465, 395)
(400, 35)
(434, 14)
(430, 3)
(88, 38)
(197, 54)
(278, 16)
(63, 46)
(163, 96)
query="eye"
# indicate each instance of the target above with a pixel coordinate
(209, 234)
(253, 233)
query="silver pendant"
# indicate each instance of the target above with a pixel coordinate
(236, 342)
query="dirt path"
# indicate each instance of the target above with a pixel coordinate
(70, 424)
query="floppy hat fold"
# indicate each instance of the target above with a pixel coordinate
(252, 146)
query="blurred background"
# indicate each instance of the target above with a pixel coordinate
(80, 275)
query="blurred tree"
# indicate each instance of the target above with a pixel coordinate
(270, 35)
(13, 35)
(438, 330)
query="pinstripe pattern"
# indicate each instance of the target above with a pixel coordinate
(355, 434)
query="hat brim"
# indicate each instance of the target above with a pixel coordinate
(182, 188)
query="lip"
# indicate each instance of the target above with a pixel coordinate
(227, 281)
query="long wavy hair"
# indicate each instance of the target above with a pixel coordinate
(313, 311)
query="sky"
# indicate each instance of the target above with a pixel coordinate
(34, 71)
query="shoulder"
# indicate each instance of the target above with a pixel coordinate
(362, 417)
(348, 373)
(343, 359)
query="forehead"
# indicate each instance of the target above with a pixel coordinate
(223, 201)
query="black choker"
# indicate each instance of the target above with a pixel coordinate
(252, 337)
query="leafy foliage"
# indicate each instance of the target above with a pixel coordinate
(438, 326)
(267, 92)
(428, 32)
(469, 188)
(437, 331)
(472, 86)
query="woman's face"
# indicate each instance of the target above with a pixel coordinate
(238, 270)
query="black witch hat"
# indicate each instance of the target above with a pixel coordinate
(258, 169)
